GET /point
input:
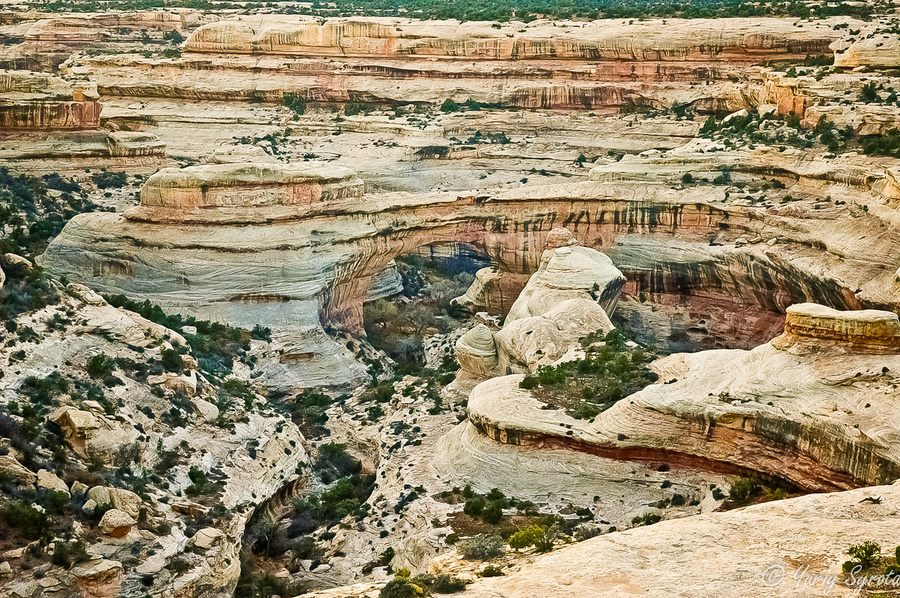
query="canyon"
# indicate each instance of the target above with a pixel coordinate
(331, 300)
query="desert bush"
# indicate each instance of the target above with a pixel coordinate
(864, 555)
(743, 490)
(482, 547)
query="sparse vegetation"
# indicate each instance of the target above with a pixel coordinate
(609, 371)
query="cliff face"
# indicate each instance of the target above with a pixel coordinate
(743, 40)
(603, 64)
(39, 101)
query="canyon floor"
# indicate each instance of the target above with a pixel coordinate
(300, 301)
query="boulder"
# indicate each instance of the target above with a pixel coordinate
(11, 467)
(116, 523)
(50, 481)
(476, 352)
(185, 384)
(206, 538)
(99, 578)
(92, 435)
(14, 261)
(205, 409)
(81, 292)
(527, 343)
(118, 498)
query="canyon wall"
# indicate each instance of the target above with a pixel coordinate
(313, 264)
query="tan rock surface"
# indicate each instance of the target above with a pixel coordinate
(716, 554)
(50, 481)
(10, 466)
(530, 342)
(115, 523)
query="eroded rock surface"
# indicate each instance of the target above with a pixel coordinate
(816, 419)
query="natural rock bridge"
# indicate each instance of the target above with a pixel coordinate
(296, 248)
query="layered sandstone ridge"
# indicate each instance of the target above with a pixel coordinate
(39, 101)
(723, 40)
(816, 327)
(245, 192)
(609, 64)
(820, 420)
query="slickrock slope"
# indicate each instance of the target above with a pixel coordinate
(820, 419)
(718, 554)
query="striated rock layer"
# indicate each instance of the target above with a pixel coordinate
(601, 64)
(37, 101)
(308, 266)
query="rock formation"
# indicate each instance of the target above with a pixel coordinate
(37, 101)
(723, 554)
(570, 296)
(815, 418)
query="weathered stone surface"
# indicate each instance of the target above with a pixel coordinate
(11, 467)
(92, 436)
(529, 342)
(476, 352)
(207, 537)
(115, 523)
(39, 101)
(99, 578)
(876, 49)
(241, 192)
(50, 481)
(207, 410)
(118, 498)
(716, 554)
(568, 272)
(816, 327)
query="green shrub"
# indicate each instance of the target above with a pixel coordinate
(647, 519)
(295, 102)
(447, 584)
(475, 506)
(492, 571)
(864, 555)
(400, 587)
(100, 366)
(482, 547)
(110, 180)
(527, 537)
(492, 513)
(743, 490)
(66, 554)
(449, 106)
